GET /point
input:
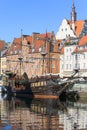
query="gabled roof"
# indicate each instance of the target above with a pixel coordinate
(78, 26)
(70, 29)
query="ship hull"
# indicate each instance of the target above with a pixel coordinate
(40, 89)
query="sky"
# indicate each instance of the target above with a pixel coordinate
(36, 16)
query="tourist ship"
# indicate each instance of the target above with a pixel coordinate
(40, 87)
(44, 86)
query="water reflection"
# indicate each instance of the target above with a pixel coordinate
(42, 114)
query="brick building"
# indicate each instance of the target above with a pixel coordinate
(3, 48)
(39, 55)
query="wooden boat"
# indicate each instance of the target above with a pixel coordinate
(40, 87)
(45, 86)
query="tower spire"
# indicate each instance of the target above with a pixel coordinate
(73, 13)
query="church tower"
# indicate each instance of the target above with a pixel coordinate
(73, 13)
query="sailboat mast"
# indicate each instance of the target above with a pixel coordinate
(20, 56)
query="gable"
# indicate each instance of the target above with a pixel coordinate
(65, 30)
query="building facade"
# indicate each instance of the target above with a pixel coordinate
(73, 56)
(36, 55)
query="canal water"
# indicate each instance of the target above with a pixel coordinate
(42, 114)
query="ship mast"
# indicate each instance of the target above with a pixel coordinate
(20, 58)
(43, 53)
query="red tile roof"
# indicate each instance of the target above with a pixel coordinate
(38, 43)
(82, 43)
(29, 39)
(78, 26)
(83, 40)
(2, 45)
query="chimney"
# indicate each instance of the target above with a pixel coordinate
(34, 37)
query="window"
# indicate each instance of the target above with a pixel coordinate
(16, 51)
(53, 66)
(70, 49)
(65, 29)
(11, 52)
(62, 66)
(40, 49)
(66, 66)
(52, 48)
(70, 66)
(33, 50)
(84, 56)
(86, 46)
(3, 70)
(76, 66)
(67, 50)
(76, 57)
(20, 51)
(84, 65)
